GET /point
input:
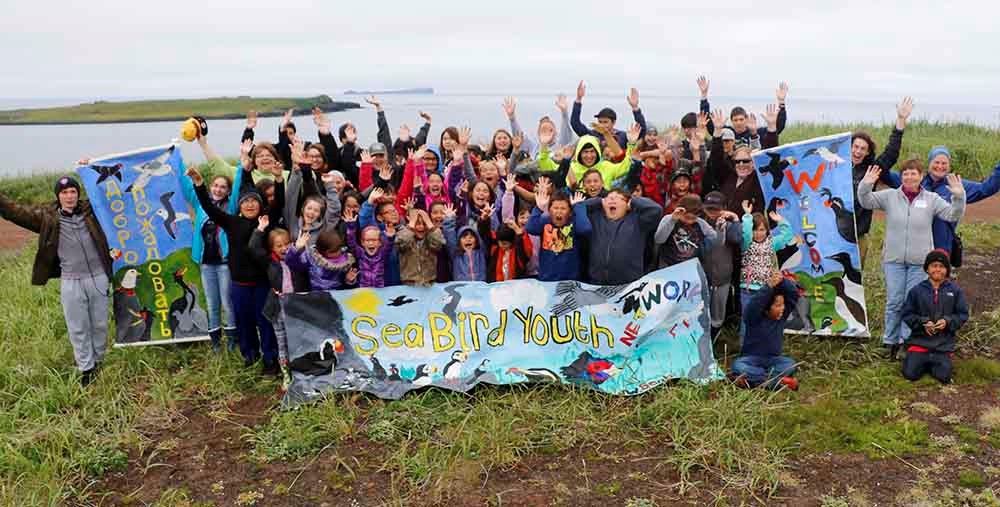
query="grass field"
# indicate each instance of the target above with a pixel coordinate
(855, 434)
(168, 110)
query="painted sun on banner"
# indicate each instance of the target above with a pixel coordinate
(809, 183)
(138, 201)
(622, 339)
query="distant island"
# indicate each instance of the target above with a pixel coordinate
(142, 111)
(404, 91)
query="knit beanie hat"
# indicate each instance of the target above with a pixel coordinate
(64, 183)
(251, 194)
(938, 256)
(938, 150)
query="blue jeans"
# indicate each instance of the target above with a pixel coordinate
(899, 279)
(764, 369)
(255, 331)
(215, 282)
(745, 296)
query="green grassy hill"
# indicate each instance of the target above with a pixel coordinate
(169, 110)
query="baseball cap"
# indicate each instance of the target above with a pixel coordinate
(607, 113)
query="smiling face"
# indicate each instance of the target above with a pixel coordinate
(481, 194)
(588, 156)
(911, 178)
(743, 162)
(312, 209)
(435, 185)
(681, 185)
(371, 240)
(314, 155)
(387, 213)
(501, 140)
(351, 204)
(559, 212)
(759, 233)
(430, 160)
(437, 214)
(250, 208)
(650, 138)
(468, 241)
(940, 167)
(68, 198)
(615, 205)
(937, 272)
(859, 150)
(280, 244)
(447, 142)
(219, 189)
(522, 217)
(263, 160)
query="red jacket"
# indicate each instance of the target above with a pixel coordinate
(656, 180)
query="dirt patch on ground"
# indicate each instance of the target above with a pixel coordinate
(13, 237)
(983, 211)
(978, 278)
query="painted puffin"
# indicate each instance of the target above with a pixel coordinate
(589, 368)
(535, 374)
(423, 376)
(453, 370)
(319, 362)
(845, 217)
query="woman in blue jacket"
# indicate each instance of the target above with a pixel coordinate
(209, 246)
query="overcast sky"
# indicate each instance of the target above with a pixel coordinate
(942, 52)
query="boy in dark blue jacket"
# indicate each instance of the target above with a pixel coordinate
(561, 222)
(761, 362)
(935, 310)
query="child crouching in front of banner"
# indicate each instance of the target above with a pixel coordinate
(282, 279)
(761, 361)
(934, 310)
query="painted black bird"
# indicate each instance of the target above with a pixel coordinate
(845, 217)
(776, 168)
(107, 171)
(535, 374)
(377, 370)
(478, 372)
(844, 259)
(855, 308)
(401, 300)
(321, 362)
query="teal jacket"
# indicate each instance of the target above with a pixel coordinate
(187, 187)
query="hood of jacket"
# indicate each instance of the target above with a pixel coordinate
(436, 151)
(578, 166)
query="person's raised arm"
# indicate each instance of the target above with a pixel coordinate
(649, 212)
(581, 221)
(574, 119)
(28, 217)
(666, 226)
(975, 191)
(633, 102)
(704, 107)
(890, 154)
(754, 311)
(422, 134)
(326, 139)
(771, 135)
(867, 198)
(565, 132)
(781, 94)
(383, 136)
(225, 220)
(257, 243)
(284, 145)
(251, 124)
(333, 206)
(951, 211)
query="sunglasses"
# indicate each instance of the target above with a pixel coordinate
(742, 160)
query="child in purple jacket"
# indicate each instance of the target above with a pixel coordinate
(373, 252)
(328, 265)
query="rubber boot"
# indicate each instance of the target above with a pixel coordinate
(216, 336)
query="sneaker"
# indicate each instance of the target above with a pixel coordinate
(216, 337)
(87, 377)
(892, 351)
(789, 382)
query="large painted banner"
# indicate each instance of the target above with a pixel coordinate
(157, 287)
(810, 184)
(616, 339)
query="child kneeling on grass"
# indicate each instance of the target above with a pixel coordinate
(761, 362)
(935, 310)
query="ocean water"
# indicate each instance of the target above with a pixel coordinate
(54, 148)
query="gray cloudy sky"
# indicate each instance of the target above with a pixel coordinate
(945, 52)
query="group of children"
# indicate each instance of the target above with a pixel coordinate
(604, 210)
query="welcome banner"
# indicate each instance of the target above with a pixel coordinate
(810, 184)
(157, 287)
(616, 339)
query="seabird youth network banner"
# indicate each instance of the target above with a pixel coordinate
(810, 184)
(622, 339)
(157, 287)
